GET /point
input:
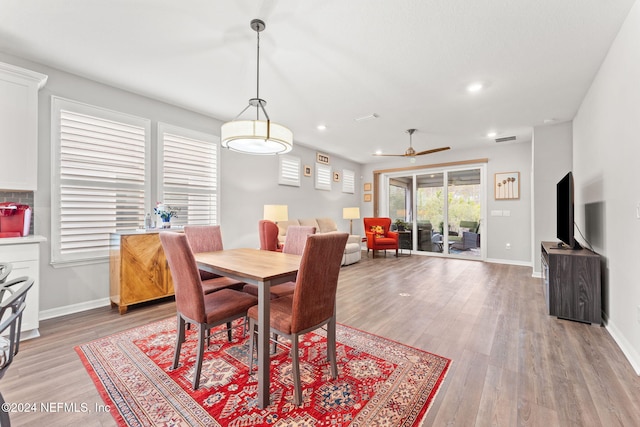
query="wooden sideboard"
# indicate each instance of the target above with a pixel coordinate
(572, 283)
(138, 269)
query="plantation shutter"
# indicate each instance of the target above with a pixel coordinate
(348, 181)
(323, 177)
(189, 175)
(102, 180)
(289, 170)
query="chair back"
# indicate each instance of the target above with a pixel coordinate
(204, 238)
(317, 282)
(385, 223)
(296, 239)
(5, 271)
(186, 277)
(13, 295)
(268, 235)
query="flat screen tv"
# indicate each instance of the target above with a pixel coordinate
(564, 213)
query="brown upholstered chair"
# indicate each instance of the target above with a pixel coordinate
(269, 236)
(208, 238)
(294, 244)
(312, 304)
(13, 295)
(379, 235)
(195, 307)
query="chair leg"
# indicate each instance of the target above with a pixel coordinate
(252, 339)
(229, 332)
(4, 414)
(202, 332)
(331, 347)
(295, 364)
(179, 341)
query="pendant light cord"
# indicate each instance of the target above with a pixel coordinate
(258, 76)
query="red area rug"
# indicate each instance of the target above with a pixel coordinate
(380, 382)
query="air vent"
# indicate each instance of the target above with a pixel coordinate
(506, 138)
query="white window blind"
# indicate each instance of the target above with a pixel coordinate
(289, 170)
(100, 178)
(323, 177)
(189, 165)
(348, 181)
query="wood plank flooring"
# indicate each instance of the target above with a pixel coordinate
(513, 365)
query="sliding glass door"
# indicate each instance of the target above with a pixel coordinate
(440, 210)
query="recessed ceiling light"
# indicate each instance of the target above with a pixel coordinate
(475, 87)
(548, 121)
(322, 127)
(378, 152)
(491, 134)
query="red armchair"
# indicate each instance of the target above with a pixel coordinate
(379, 235)
(269, 236)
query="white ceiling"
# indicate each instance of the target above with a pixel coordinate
(330, 62)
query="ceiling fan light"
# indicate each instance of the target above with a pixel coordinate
(258, 137)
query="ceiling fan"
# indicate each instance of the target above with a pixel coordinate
(411, 152)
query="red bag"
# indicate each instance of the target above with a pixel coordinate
(15, 219)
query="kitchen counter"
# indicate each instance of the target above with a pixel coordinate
(32, 238)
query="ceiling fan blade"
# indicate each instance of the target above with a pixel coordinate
(435, 150)
(392, 155)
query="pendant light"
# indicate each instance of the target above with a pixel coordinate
(261, 137)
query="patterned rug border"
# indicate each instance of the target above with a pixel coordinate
(198, 413)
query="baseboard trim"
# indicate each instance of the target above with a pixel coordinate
(627, 349)
(74, 308)
(509, 262)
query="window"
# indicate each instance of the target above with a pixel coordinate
(323, 177)
(289, 168)
(348, 181)
(100, 179)
(188, 163)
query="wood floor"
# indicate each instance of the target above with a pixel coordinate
(513, 365)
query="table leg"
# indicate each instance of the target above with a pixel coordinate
(264, 298)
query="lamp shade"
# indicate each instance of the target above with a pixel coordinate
(276, 213)
(260, 137)
(350, 213)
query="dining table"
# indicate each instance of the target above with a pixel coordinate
(263, 269)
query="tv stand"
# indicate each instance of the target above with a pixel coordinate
(572, 286)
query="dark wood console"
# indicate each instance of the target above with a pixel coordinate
(572, 283)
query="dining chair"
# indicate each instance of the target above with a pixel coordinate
(208, 238)
(13, 295)
(5, 271)
(312, 304)
(294, 244)
(192, 305)
(268, 231)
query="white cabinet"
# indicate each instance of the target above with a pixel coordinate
(24, 255)
(19, 127)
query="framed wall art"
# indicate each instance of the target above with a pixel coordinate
(367, 197)
(336, 176)
(307, 170)
(507, 185)
(322, 158)
(367, 186)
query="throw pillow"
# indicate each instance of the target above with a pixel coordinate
(378, 230)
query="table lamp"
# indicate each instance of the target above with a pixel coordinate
(276, 213)
(351, 214)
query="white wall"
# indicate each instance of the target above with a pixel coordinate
(247, 183)
(514, 229)
(552, 154)
(605, 163)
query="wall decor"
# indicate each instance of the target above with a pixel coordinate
(322, 158)
(336, 176)
(507, 185)
(367, 197)
(307, 170)
(367, 186)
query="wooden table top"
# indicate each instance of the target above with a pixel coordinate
(252, 263)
